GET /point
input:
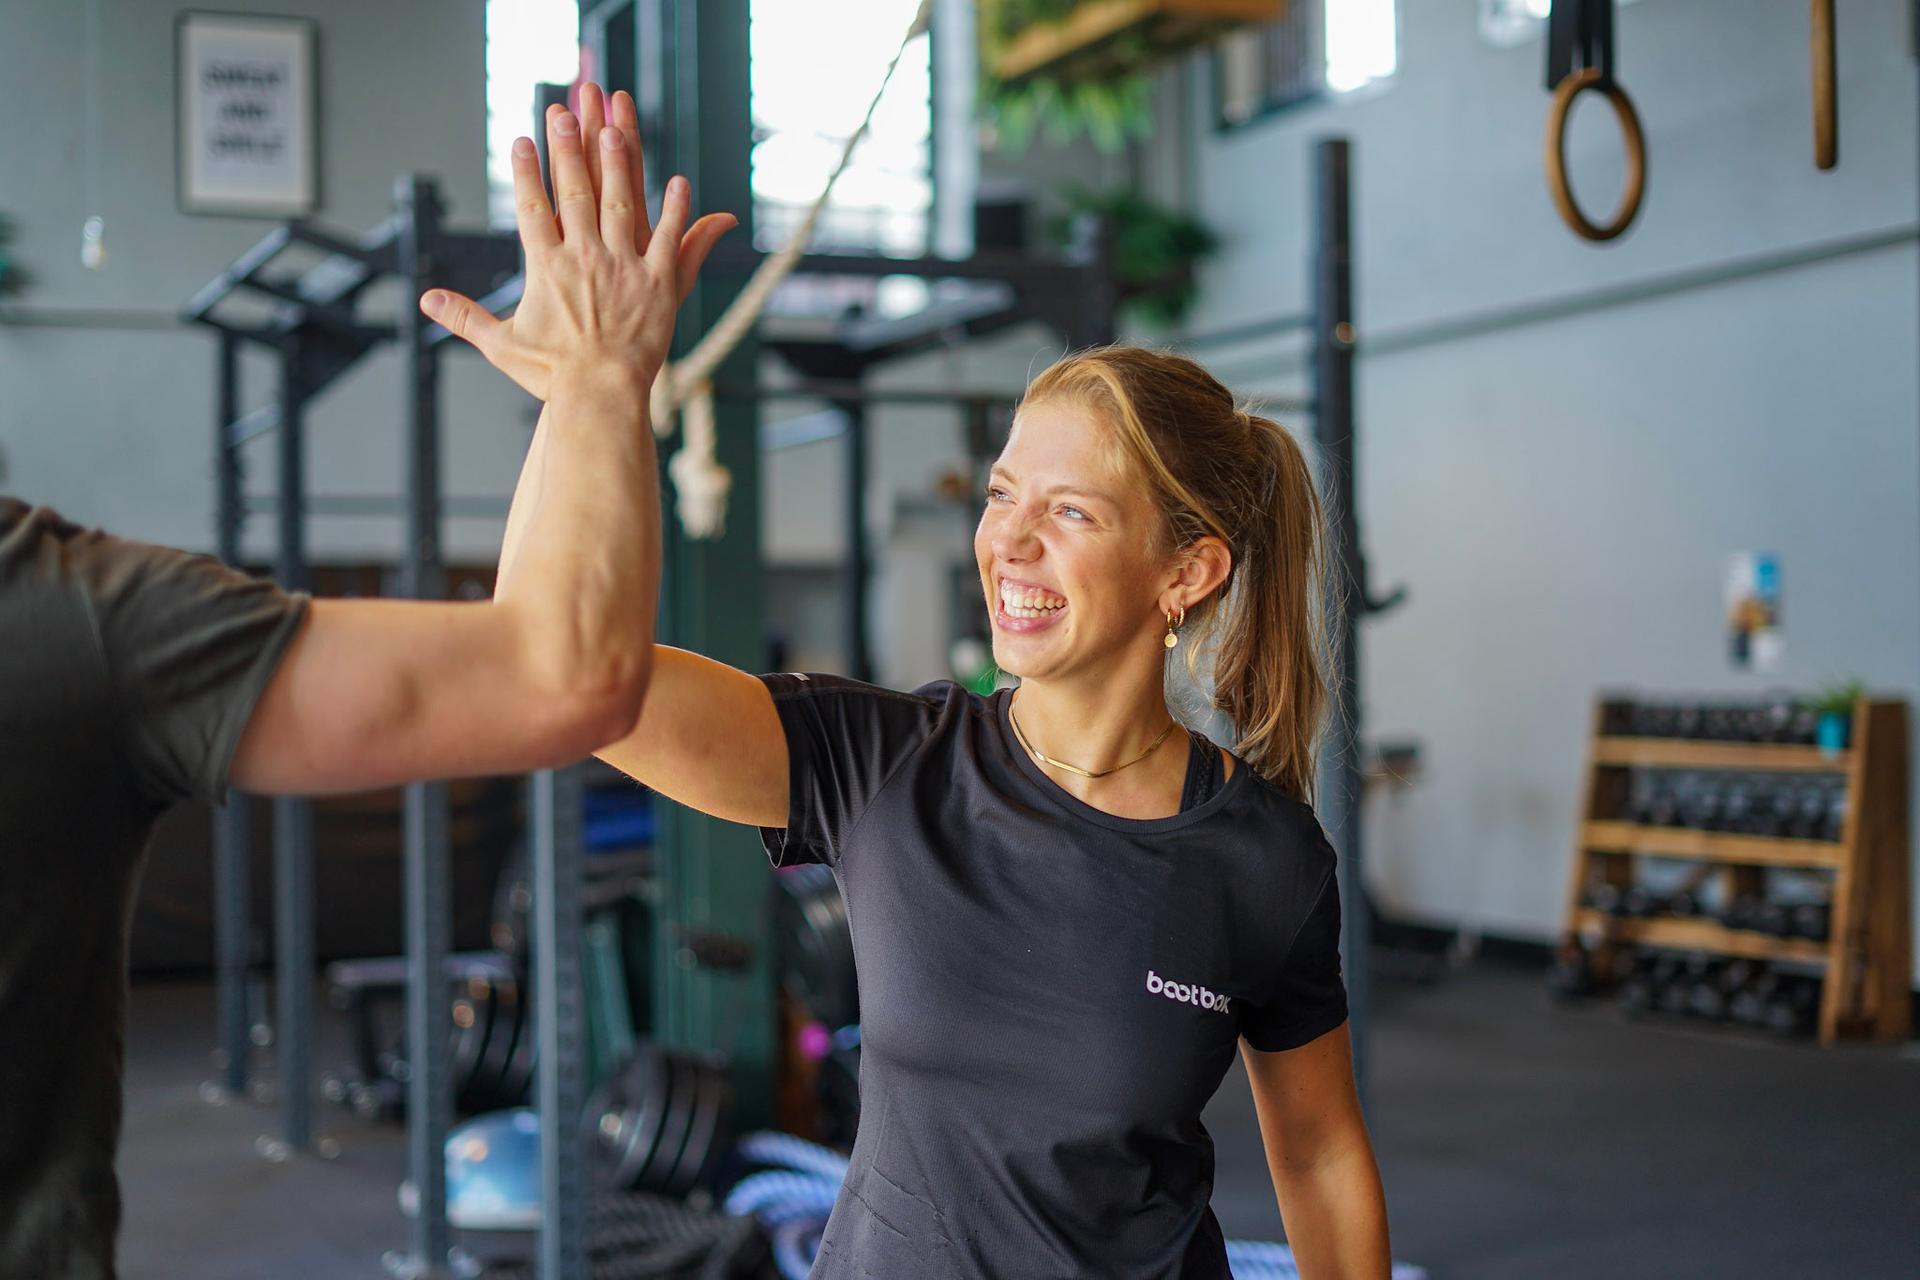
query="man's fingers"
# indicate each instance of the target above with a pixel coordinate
(664, 249)
(592, 118)
(694, 248)
(530, 208)
(625, 117)
(572, 187)
(464, 318)
(617, 199)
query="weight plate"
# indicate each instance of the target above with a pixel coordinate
(472, 1013)
(644, 1099)
(516, 1079)
(676, 1118)
(489, 1075)
(703, 1137)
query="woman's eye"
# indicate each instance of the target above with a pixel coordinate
(994, 495)
(1076, 512)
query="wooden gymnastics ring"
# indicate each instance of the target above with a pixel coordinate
(1636, 147)
(1826, 107)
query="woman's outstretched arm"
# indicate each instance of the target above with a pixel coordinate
(1321, 1159)
(708, 737)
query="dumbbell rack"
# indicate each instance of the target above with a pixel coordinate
(1866, 961)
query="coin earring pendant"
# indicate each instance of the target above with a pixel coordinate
(1172, 638)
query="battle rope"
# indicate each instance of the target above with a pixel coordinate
(793, 1197)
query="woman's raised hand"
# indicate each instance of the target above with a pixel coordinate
(602, 285)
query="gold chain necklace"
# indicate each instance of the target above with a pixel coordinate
(1074, 768)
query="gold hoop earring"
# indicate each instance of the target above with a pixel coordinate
(1172, 639)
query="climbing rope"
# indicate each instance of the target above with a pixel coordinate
(685, 387)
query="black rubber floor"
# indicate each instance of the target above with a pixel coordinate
(1518, 1140)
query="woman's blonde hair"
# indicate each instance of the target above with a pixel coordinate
(1214, 468)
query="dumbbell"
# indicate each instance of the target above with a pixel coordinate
(1712, 993)
(1794, 1009)
(1740, 911)
(1702, 801)
(1616, 717)
(1683, 904)
(1677, 995)
(1748, 1006)
(1811, 920)
(1641, 986)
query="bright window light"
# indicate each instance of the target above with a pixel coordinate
(812, 80)
(529, 42)
(1362, 42)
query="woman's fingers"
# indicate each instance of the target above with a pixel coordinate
(572, 186)
(617, 199)
(531, 211)
(625, 117)
(592, 118)
(694, 248)
(664, 249)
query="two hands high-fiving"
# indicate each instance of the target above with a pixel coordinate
(602, 283)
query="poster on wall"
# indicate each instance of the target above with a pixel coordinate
(1753, 612)
(246, 107)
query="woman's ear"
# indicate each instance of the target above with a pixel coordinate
(1203, 567)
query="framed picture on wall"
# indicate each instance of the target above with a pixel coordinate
(247, 115)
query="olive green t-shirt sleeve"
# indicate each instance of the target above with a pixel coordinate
(189, 645)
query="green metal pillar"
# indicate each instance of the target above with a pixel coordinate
(714, 874)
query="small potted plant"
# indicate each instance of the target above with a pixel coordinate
(1834, 706)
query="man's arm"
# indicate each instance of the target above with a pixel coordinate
(376, 692)
(1324, 1173)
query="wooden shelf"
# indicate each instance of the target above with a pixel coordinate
(1693, 753)
(1083, 43)
(1710, 846)
(1700, 935)
(1867, 960)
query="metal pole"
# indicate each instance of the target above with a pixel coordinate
(560, 1081)
(429, 891)
(854, 586)
(232, 889)
(1333, 336)
(293, 818)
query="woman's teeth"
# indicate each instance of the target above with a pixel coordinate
(1029, 604)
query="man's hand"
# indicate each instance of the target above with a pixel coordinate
(602, 285)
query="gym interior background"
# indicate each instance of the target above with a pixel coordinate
(1633, 767)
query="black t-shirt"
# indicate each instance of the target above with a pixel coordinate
(127, 676)
(1049, 993)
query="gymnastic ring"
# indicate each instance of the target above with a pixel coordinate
(1636, 148)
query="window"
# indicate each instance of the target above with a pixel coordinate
(812, 81)
(1335, 46)
(529, 42)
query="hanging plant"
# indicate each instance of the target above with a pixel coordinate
(1107, 112)
(1154, 249)
(1107, 106)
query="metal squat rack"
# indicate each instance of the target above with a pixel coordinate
(311, 323)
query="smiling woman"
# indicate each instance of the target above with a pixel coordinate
(1068, 910)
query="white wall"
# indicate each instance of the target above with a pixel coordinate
(110, 419)
(1561, 497)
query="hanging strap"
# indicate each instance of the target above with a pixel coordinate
(1579, 37)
